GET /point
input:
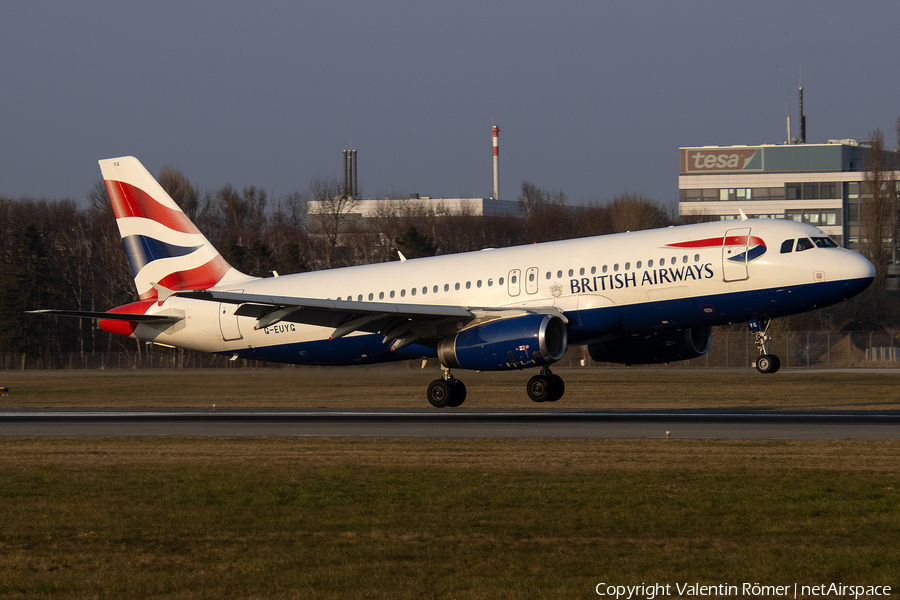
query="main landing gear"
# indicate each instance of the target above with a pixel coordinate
(546, 387)
(446, 391)
(766, 363)
(450, 391)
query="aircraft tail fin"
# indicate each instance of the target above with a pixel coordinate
(165, 249)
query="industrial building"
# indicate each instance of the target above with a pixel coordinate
(360, 209)
(821, 184)
(814, 183)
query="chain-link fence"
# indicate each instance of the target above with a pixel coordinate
(729, 349)
(149, 357)
(733, 349)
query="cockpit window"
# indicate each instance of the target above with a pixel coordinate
(804, 244)
(824, 242)
(787, 246)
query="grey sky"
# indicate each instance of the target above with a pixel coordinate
(592, 97)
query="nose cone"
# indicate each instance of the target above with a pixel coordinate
(857, 266)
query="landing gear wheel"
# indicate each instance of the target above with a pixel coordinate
(446, 392)
(558, 387)
(440, 394)
(539, 388)
(458, 393)
(768, 363)
(546, 387)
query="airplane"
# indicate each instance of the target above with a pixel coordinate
(643, 297)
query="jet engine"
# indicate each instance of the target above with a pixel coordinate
(656, 347)
(506, 343)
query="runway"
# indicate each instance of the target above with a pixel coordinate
(431, 423)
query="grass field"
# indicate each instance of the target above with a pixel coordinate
(411, 518)
(324, 518)
(396, 386)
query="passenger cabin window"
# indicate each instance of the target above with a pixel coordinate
(787, 246)
(804, 244)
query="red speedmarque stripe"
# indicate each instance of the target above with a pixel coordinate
(130, 201)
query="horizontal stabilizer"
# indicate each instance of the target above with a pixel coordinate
(86, 314)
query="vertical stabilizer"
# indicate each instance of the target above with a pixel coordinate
(163, 246)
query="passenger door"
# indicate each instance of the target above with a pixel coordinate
(734, 254)
(513, 282)
(531, 280)
(228, 321)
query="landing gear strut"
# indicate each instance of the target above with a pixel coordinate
(546, 387)
(766, 363)
(446, 391)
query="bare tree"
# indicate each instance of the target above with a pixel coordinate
(878, 214)
(633, 212)
(545, 214)
(183, 193)
(331, 212)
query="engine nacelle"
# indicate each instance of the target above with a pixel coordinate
(657, 347)
(508, 343)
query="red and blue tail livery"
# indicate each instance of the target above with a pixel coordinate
(642, 297)
(163, 246)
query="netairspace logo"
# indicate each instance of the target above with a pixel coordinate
(744, 590)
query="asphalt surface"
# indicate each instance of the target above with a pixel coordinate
(458, 423)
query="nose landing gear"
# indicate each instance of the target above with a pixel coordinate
(766, 363)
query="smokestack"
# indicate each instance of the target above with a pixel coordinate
(350, 188)
(802, 135)
(496, 131)
(789, 129)
(345, 190)
(354, 186)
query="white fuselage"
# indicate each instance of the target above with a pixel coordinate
(662, 278)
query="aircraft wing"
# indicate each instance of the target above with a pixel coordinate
(401, 324)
